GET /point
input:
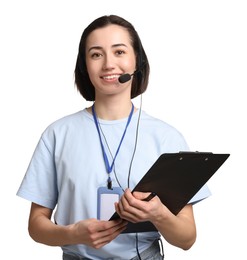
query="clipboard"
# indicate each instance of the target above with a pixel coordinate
(175, 178)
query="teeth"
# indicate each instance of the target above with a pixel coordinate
(111, 77)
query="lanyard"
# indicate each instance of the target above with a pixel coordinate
(108, 166)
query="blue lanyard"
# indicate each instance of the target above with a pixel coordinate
(108, 166)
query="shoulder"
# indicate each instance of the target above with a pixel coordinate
(165, 134)
(68, 121)
(158, 124)
(64, 126)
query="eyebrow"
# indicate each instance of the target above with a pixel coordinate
(113, 46)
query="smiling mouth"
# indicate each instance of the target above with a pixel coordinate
(110, 77)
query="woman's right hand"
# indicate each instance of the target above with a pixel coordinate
(97, 233)
(90, 232)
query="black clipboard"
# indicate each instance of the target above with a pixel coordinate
(175, 178)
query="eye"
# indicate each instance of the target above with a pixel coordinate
(120, 52)
(96, 55)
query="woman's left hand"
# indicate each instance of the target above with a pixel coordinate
(179, 230)
(133, 208)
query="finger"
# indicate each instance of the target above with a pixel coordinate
(133, 208)
(134, 201)
(129, 213)
(108, 225)
(107, 235)
(141, 195)
(128, 199)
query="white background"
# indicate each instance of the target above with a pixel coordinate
(198, 57)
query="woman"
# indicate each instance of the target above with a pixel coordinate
(106, 147)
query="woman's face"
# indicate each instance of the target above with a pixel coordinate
(109, 54)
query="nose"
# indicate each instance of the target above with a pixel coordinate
(109, 62)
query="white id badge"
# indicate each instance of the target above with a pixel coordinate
(105, 201)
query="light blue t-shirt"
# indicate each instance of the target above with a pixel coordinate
(67, 168)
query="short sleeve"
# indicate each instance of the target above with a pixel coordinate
(203, 193)
(39, 183)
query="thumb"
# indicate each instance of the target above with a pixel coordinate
(141, 195)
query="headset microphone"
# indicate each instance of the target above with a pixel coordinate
(125, 77)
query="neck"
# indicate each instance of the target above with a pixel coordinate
(112, 111)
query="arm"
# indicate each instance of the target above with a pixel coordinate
(91, 232)
(179, 230)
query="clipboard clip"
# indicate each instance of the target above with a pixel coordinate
(196, 152)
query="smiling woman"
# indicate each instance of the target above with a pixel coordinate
(95, 157)
(119, 45)
(109, 54)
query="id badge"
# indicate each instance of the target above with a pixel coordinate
(105, 201)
